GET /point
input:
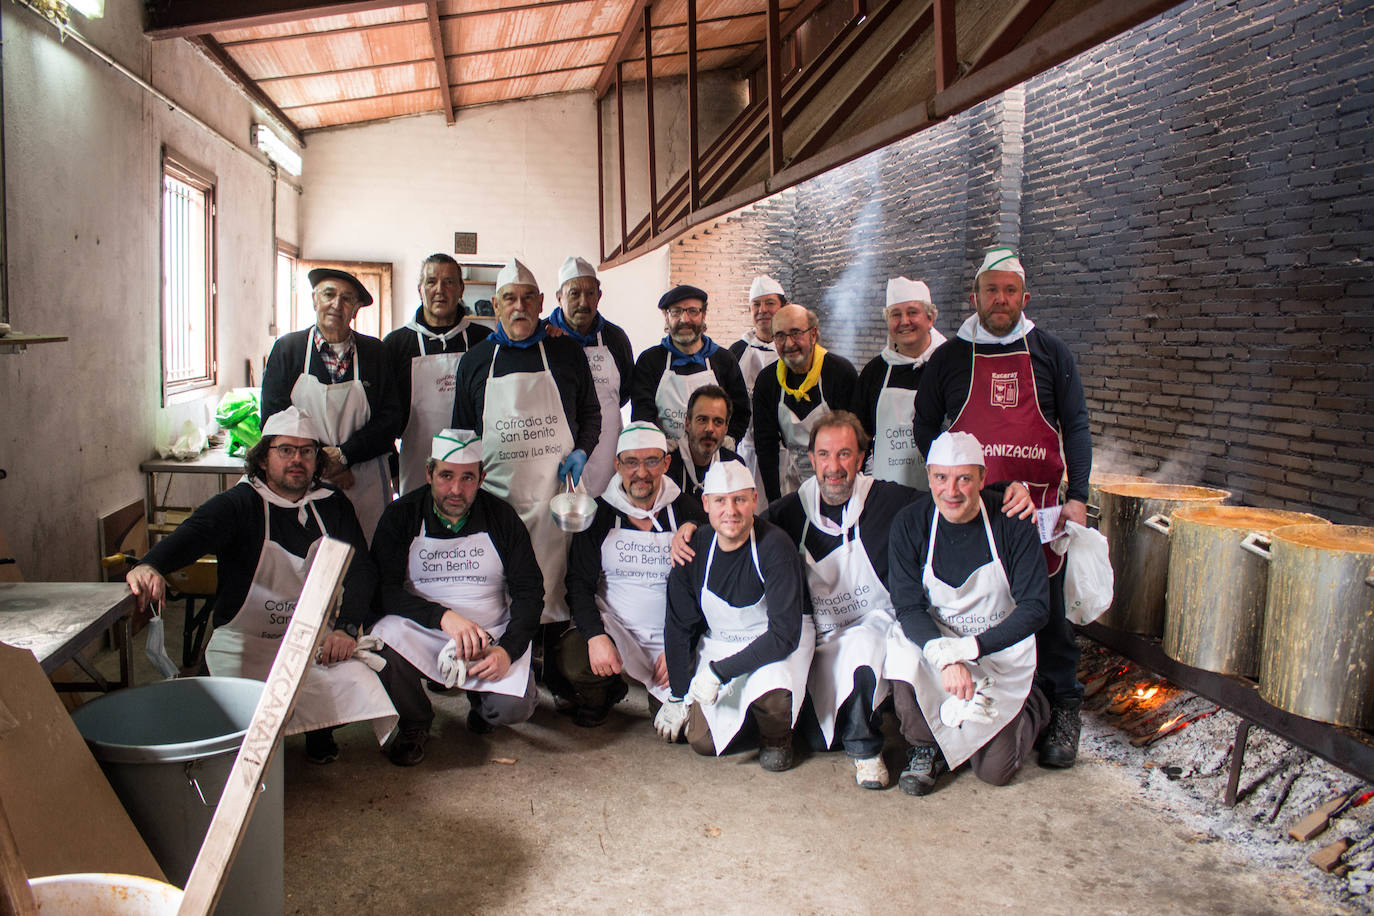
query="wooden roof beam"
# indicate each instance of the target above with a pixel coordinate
(634, 21)
(231, 69)
(1008, 35)
(436, 39)
(185, 18)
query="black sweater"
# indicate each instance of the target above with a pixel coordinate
(959, 550)
(400, 525)
(230, 526)
(734, 580)
(649, 372)
(286, 363)
(907, 377)
(838, 385)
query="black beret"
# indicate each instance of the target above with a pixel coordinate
(679, 293)
(320, 274)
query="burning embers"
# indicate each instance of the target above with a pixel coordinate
(1148, 709)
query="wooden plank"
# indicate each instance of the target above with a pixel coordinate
(15, 894)
(649, 116)
(798, 14)
(215, 51)
(774, 40)
(182, 19)
(1328, 858)
(1317, 821)
(693, 113)
(436, 38)
(1008, 35)
(946, 53)
(294, 657)
(610, 71)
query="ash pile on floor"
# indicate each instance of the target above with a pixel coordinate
(1182, 745)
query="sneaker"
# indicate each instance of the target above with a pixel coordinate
(320, 746)
(870, 772)
(1059, 744)
(593, 716)
(477, 725)
(925, 764)
(409, 747)
(776, 759)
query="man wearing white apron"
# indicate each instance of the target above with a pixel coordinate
(462, 592)
(708, 418)
(972, 591)
(618, 580)
(806, 383)
(738, 638)
(840, 521)
(531, 398)
(686, 359)
(424, 358)
(608, 356)
(888, 383)
(262, 531)
(754, 352)
(1006, 381)
(343, 381)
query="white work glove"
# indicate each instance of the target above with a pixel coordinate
(365, 650)
(954, 712)
(946, 650)
(671, 718)
(705, 687)
(453, 668)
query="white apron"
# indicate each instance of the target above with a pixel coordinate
(983, 601)
(466, 575)
(347, 691)
(606, 377)
(633, 599)
(895, 455)
(795, 459)
(339, 410)
(431, 402)
(674, 391)
(524, 438)
(756, 357)
(691, 484)
(853, 613)
(728, 630)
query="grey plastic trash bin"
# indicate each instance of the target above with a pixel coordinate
(167, 749)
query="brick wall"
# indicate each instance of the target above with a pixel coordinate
(1195, 202)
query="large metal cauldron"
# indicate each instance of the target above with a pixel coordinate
(1317, 658)
(1140, 555)
(1216, 590)
(1096, 481)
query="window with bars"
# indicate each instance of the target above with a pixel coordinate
(188, 277)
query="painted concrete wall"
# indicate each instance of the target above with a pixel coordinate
(82, 160)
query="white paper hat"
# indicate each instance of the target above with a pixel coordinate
(641, 434)
(900, 289)
(515, 272)
(727, 477)
(291, 422)
(575, 267)
(1001, 259)
(457, 446)
(765, 286)
(955, 449)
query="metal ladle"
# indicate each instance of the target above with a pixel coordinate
(573, 510)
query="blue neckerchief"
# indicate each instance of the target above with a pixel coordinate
(499, 335)
(708, 346)
(559, 320)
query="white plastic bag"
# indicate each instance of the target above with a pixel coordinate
(1088, 579)
(187, 444)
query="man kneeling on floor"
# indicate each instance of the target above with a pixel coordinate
(618, 579)
(971, 590)
(462, 593)
(738, 636)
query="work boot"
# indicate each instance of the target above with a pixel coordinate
(1059, 745)
(408, 748)
(925, 764)
(776, 758)
(593, 716)
(870, 772)
(477, 725)
(320, 746)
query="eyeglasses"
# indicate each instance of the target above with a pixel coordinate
(329, 295)
(799, 335)
(291, 451)
(676, 313)
(634, 464)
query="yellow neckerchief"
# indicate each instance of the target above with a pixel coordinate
(812, 377)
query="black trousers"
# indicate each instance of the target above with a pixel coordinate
(1056, 651)
(858, 726)
(405, 685)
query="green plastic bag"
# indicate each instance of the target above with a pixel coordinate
(239, 413)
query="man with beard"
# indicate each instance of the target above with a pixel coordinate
(424, 358)
(708, 419)
(686, 359)
(618, 580)
(608, 355)
(807, 382)
(261, 532)
(755, 352)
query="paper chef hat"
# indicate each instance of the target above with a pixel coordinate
(457, 446)
(1001, 259)
(515, 272)
(900, 289)
(575, 267)
(291, 422)
(765, 286)
(955, 449)
(641, 434)
(727, 477)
